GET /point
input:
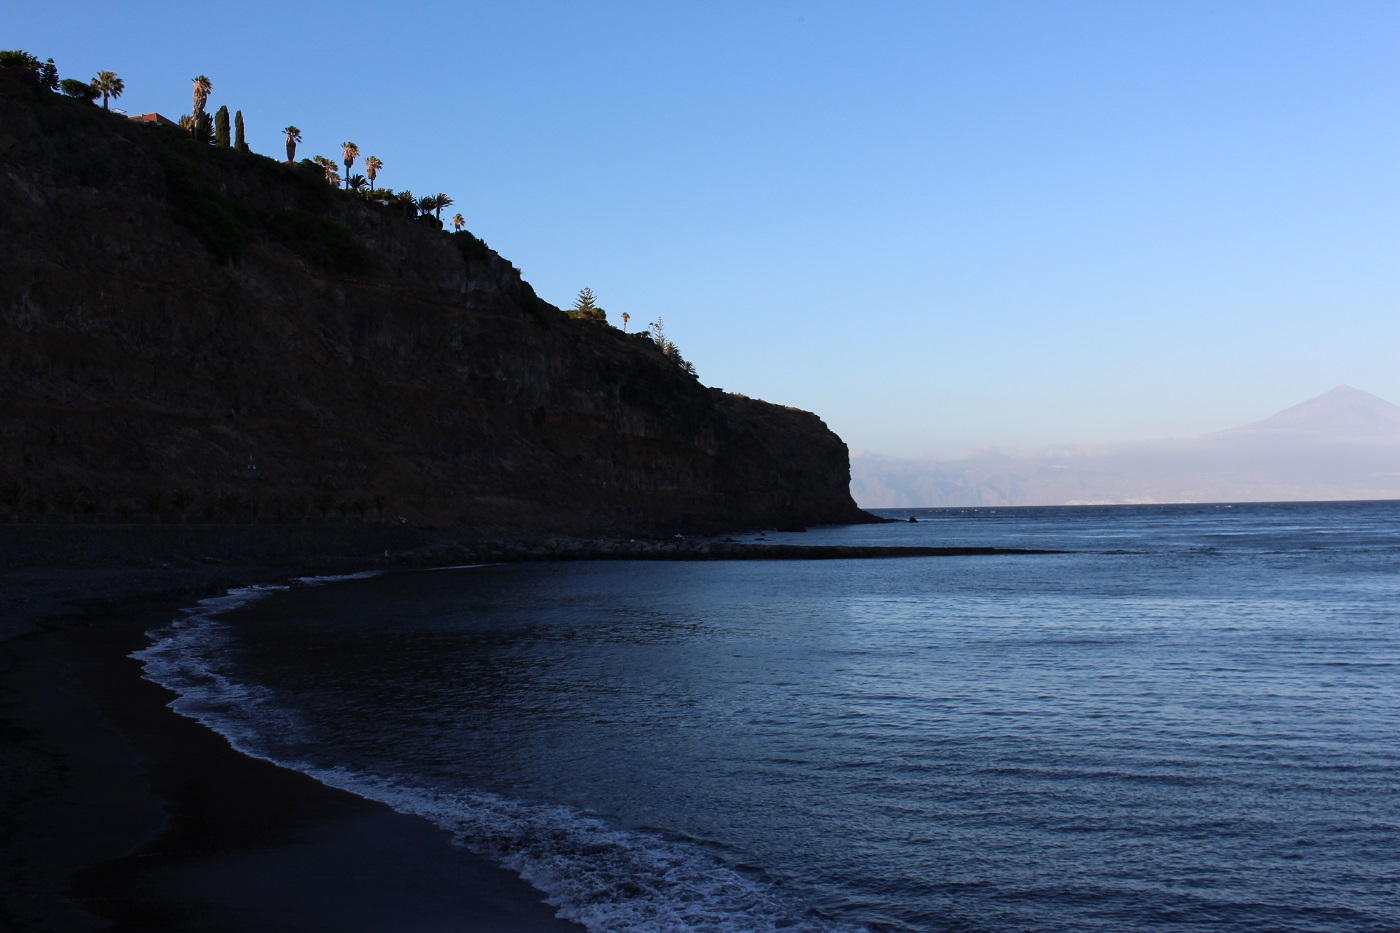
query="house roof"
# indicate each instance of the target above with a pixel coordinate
(154, 118)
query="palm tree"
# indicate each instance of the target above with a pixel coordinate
(440, 201)
(351, 153)
(203, 87)
(293, 137)
(426, 204)
(372, 167)
(201, 129)
(458, 222)
(356, 182)
(408, 202)
(327, 166)
(108, 85)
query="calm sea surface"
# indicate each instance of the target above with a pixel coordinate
(1191, 721)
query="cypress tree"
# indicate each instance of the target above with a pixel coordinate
(221, 127)
(238, 142)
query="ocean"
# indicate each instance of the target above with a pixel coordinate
(1187, 720)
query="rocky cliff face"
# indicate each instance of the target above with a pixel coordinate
(168, 314)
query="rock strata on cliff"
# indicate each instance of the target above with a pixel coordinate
(166, 314)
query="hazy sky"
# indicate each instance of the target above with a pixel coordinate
(937, 225)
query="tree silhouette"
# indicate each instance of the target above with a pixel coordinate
(293, 137)
(202, 129)
(19, 58)
(221, 133)
(372, 167)
(108, 85)
(668, 348)
(239, 142)
(351, 152)
(458, 222)
(203, 87)
(586, 307)
(82, 90)
(327, 166)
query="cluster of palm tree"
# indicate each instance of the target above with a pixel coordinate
(428, 207)
(329, 167)
(110, 85)
(366, 184)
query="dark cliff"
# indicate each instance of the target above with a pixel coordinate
(168, 313)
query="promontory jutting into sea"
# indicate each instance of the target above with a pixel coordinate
(479, 614)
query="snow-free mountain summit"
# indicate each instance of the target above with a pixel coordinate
(1343, 444)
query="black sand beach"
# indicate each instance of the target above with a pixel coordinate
(120, 814)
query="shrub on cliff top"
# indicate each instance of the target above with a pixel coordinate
(470, 246)
(18, 58)
(79, 89)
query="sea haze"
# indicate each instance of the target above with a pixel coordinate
(1187, 721)
(1343, 444)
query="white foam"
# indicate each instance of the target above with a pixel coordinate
(188, 656)
(338, 577)
(603, 878)
(606, 879)
(457, 567)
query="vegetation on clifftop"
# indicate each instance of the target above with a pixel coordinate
(226, 225)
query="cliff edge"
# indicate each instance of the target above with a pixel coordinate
(190, 329)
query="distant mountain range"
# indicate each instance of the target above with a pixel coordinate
(1344, 444)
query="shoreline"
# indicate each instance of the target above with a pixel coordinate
(121, 814)
(116, 812)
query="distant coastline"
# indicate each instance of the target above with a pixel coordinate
(1343, 445)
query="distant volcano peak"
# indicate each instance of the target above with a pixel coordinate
(1341, 410)
(1342, 445)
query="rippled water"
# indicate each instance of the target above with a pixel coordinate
(1191, 721)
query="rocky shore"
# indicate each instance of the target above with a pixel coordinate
(680, 549)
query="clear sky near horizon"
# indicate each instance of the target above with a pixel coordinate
(938, 225)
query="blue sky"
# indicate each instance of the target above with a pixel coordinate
(938, 225)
